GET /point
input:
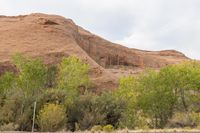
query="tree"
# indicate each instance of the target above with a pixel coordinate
(72, 74)
(184, 79)
(7, 82)
(30, 82)
(127, 93)
(32, 74)
(173, 88)
(156, 99)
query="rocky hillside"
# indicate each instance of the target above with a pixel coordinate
(52, 37)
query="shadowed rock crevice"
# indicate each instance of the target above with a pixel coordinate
(44, 21)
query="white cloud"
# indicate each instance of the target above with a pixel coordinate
(174, 25)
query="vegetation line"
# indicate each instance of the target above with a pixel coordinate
(66, 99)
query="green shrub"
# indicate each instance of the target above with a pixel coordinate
(52, 117)
(17, 110)
(86, 112)
(11, 108)
(111, 108)
(52, 95)
(7, 82)
(108, 128)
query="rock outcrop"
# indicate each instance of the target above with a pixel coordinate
(52, 37)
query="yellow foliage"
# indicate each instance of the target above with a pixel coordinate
(52, 117)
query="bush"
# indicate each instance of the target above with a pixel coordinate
(141, 121)
(11, 108)
(86, 112)
(151, 99)
(7, 81)
(195, 118)
(56, 96)
(108, 128)
(180, 120)
(9, 127)
(96, 128)
(17, 110)
(52, 117)
(111, 108)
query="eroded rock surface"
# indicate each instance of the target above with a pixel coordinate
(53, 37)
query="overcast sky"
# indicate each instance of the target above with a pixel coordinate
(143, 24)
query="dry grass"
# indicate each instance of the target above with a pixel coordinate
(129, 131)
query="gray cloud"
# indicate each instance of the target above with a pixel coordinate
(145, 24)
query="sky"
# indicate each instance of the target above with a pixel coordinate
(141, 24)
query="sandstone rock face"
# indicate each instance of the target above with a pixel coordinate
(53, 37)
